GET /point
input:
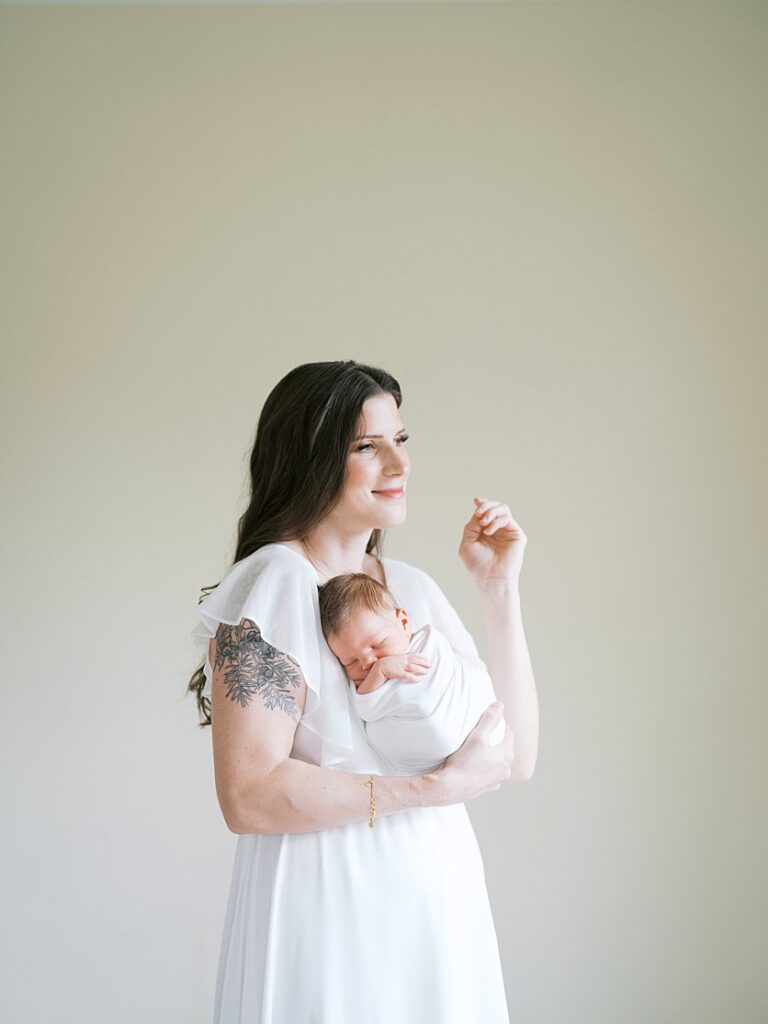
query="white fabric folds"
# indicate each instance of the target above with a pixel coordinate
(415, 726)
(348, 924)
(277, 589)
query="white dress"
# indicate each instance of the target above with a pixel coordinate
(350, 925)
(414, 726)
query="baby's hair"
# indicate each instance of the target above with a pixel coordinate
(343, 596)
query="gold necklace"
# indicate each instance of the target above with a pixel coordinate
(306, 549)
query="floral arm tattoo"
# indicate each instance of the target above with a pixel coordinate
(252, 666)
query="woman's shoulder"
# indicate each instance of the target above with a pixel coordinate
(410, 584)
(273, 583)
(276, 588)
(273, 560)
(407, 571)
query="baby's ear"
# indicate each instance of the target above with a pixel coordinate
(402, 616)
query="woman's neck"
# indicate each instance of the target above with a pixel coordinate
(333, 555)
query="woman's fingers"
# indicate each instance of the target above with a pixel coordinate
(507, 744)
(479, 765)
(488, 722)
(494, 515)
(497, 517)
(489, 719)
(483, 504)
(498, 524)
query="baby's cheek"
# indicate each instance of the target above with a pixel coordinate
(398, 646)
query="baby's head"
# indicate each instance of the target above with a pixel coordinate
(361, 622)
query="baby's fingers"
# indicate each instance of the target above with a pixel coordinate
(414, 673)
(414, 666)
(417, 659)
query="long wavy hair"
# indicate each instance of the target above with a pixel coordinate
(298, 463)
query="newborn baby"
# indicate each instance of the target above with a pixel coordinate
(417, 697)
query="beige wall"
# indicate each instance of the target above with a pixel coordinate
(549, 221)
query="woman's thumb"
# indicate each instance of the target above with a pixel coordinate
(490, 717)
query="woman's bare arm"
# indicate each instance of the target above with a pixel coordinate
(509, 665)
(300, 797)
(492, 548)
(258, 696)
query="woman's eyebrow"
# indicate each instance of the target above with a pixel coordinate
(363, 436)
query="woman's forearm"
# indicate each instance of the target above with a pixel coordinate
(301, 797)
(509, 665)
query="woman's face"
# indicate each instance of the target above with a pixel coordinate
(377, 462)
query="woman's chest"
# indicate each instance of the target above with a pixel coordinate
(408, 594)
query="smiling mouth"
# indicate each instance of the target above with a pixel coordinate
(398, 492)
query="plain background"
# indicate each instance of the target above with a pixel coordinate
(549, 222)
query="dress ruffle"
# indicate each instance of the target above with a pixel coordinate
(276, 588)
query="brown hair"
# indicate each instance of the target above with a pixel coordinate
(341, 596)
(298, 463)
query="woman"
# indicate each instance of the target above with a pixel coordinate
(358, 895)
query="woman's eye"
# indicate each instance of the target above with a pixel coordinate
(368, 446)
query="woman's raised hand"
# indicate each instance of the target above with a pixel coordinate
(492, 543)
(478, 766)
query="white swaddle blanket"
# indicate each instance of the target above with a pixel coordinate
(415, 726)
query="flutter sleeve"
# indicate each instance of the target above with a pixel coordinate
(274, 590)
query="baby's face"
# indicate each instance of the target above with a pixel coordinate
(368, 636)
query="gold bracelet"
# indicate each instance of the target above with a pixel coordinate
(370, 782)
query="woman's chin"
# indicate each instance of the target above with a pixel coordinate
(394, 518)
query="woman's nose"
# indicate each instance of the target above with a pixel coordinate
(399, 463)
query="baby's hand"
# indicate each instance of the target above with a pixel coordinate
(408, 667)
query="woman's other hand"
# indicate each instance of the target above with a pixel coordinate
(478, 766)
(492, 543)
